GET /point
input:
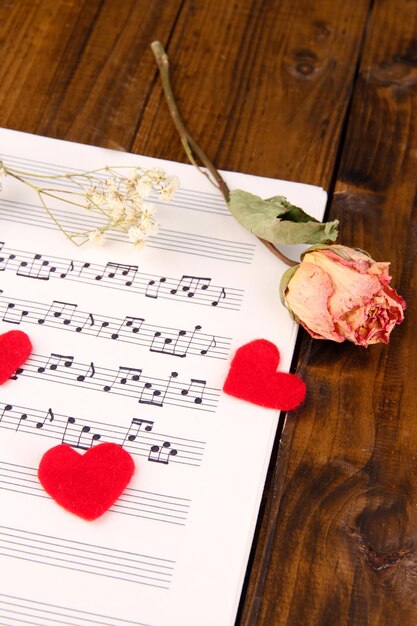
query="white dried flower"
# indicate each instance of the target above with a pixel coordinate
(170, 187)
(148, 226)
(148, 209)
(134, 174)
(143, 187)
(94, 196)
(132, 212)
(135, 234)
(118, 198)
(96, 236)
(117, 210)
(111, 184)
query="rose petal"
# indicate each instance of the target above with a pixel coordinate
(345, 296)
(307, 295)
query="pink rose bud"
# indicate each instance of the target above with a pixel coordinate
(341, 293)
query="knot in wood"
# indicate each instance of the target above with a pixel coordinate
(322, 29)
(304, 64)
(398, 73)
(305, 68)
(385, 535)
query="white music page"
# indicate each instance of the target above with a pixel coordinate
(132, 347)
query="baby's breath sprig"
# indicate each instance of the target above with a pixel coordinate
(118, 195)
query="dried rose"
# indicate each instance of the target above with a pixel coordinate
(341, 293)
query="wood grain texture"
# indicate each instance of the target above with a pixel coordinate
(263, 85)
(342, 516)
(80, 69)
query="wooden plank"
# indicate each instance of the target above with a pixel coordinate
(262, 85)
(80, 70)
(341, 536)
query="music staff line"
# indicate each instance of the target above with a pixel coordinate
(206, 202)
(86, 558)
(196, 289)
(131, 329)
(126, 381)
(138, 438)
(53, 613)
(133, 502)
(165, 239)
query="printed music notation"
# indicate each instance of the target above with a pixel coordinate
(133, 502)
(131, 329)
(188, 288)
(139, 438)
(85, 557)
(126, 381)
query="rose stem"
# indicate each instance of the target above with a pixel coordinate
(191, 147)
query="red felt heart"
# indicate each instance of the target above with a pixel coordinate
(86, 484)
(253, 377)
(15, 348)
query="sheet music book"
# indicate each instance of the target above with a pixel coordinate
(133, 347)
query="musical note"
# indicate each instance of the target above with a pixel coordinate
(155, 396)
(83, 267)
(134, 324)
(14, 314)
(22, 418)
(212, 344)
(58, 309)
(222, 294)
(17, 373)
(102, 325)
(136, 426)
(70, 420)
(129, 374)
(165, 345)
(121, 276)
(153, 287)
(125, 381)
(161, 454)
(7, 407)
(39, 268)
(178, 347)
(49, 415)
(113, 270)
(3, 260)
(76, 439)
(84, 430)
(68, 270)
(195, 390)
(55, 360)
(89, 321)
(89, 373)
(190, 284)
(139, 437)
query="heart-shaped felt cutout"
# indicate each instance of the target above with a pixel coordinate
(15, 348)
(253, 377)
(86, 484)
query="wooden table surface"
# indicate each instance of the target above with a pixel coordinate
(318, 91)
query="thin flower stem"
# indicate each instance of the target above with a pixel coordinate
(52, 195)
(51, 215)
(22, 180)
(280, 255)
(63, 191)
(191, 147)
(12, 171)
(188, 142)
(119, 201)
